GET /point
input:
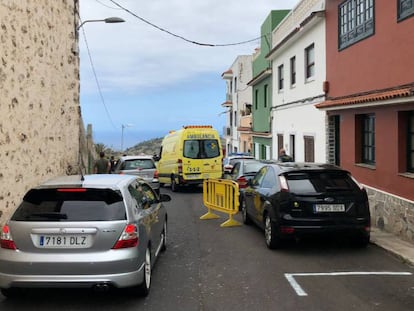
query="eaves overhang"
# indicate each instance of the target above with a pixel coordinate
(374, 98)
(260, 77)
(227, 75)
(306, 24)
(227, 104)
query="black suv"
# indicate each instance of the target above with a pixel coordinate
(295, 199)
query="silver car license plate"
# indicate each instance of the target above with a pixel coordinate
(64, 241)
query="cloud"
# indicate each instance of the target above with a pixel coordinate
(134, 55)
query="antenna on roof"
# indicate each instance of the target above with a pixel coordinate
(81, 164)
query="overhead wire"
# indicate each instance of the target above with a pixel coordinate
(96, 77)
(179, 36)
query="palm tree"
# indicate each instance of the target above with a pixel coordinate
(100, 147)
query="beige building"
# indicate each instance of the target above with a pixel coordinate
(41, 128)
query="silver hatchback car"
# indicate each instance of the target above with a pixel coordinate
(139, 165)
(94, 231)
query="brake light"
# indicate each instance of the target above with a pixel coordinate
(155, 174)
(6, 240)
(242, 181)
(128, 238)
(71, 190)
(283, 184)
(180, 166)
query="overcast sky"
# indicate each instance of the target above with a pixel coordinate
(150, 81)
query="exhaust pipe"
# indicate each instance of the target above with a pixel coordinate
(101, 287)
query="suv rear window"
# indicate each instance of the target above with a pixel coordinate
(318, 182)
(80, 204)
(201, 149)
(138, 164)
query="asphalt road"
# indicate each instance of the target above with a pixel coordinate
(208, 268)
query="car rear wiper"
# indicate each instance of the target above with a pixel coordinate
(48, 215)
(337, 189)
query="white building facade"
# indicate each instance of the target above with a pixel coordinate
(238, 101)
(299, 71)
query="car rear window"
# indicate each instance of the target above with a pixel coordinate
(201, 148)
(317, 182)
(80, 204)
(138, 164)
(252, 167)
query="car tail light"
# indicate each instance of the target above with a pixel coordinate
(155, 174)
(287, 230)
(180, 166)
(6, 240)
(128, 238)
(283, 183)
(242, 181)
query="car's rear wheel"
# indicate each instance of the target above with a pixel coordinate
(361, 240)
(245, 216)
(174, 185)
(272, 237)
(144, 287)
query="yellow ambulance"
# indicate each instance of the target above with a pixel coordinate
(190, 155)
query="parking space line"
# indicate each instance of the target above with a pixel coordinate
(300, 292)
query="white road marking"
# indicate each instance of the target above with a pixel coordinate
(300, 292)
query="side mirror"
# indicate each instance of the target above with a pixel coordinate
(164, 197)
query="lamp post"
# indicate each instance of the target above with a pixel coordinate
(109, 20)
(122, 135)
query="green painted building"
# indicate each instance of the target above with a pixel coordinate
(262, 88)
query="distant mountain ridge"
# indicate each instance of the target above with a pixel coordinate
(148, 147)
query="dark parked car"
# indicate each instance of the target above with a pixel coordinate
(93, 231)
(291, 200)
(244, 170)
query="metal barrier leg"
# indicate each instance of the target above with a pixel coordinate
(230, 222)
(209, 215)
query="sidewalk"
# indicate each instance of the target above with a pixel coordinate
(393, 244)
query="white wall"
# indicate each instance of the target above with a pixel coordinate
(241, 93)
(293, 110)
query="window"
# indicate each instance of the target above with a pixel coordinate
(410, 142)
(66, 206)
(292, 146)
(309, 148)
(356, 21)
(293, 71)
(368, 139)
(280, 77)
(265, 95)
(310, 61)
(256, 98)
(405, 9)
(279, 143)
(201, 149)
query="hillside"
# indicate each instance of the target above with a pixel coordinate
(149, 147)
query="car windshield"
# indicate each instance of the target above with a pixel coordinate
(78, 204)
(319, 182)
(138, 164)
(201, 148)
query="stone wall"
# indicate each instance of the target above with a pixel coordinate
(40, 118)
(392, 214)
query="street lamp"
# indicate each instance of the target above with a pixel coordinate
(109, 20)
(122, 135)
